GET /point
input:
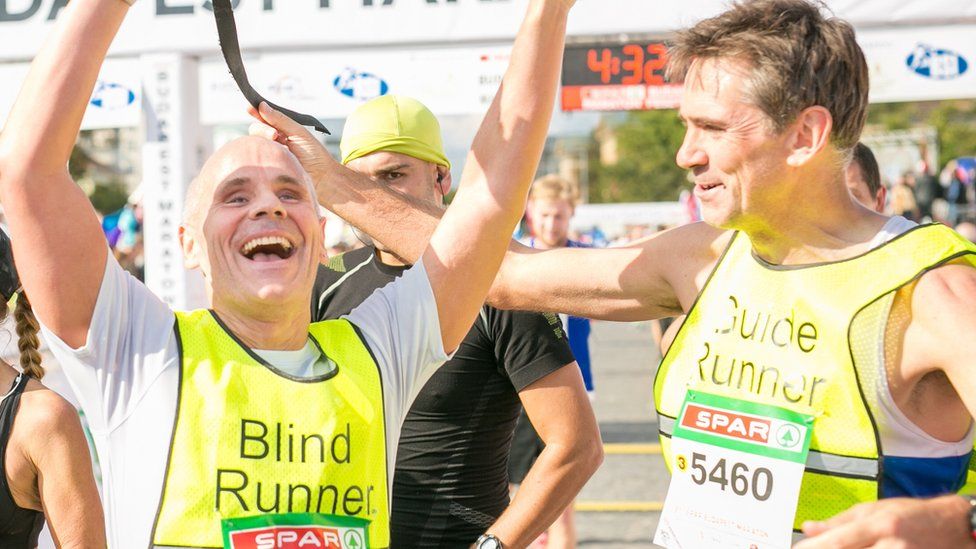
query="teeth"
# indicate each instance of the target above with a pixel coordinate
(265, 241)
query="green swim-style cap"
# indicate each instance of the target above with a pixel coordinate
(393, 124)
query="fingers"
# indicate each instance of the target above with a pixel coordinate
(281, 122)
(853, 535)
(263, 130)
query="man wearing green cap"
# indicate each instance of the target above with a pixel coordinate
(451, 483)
(246, 423)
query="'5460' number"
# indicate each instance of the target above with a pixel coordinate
(736, 477)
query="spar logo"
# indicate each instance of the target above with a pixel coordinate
(298, 537)
(727, 424)
(936, 63)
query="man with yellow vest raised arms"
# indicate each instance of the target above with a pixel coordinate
(824, 360)
(246, 422)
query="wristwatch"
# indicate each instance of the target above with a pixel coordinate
(972, 516)
(488, 541)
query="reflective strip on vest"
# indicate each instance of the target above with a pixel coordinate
(250, 440)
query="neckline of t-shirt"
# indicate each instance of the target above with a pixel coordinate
(392, 270)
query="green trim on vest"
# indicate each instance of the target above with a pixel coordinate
(251, 440)
(807, 338)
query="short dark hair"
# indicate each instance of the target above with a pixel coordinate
(865, 160)
(800, 56)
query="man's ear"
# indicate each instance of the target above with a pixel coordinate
(811, 133)
(443, 179)
(190, 248)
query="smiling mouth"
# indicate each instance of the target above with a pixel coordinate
(267, 248)
(708, 186)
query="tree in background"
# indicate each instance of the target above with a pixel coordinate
(633, 160)
(955, 122)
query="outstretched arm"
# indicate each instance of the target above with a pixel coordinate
(58, 243)
(468, 245)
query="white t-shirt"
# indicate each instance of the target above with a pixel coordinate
(126, 380)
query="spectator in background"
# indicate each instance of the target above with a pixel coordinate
(903, 198)
(864, 179)
(927, 191)
(552, 202)
(957, 195)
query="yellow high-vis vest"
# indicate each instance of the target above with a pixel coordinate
(250, 440)
(807, 338)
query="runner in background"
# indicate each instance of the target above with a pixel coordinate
(552, 202)
(450, 484)
(864, 179)
(47, 472)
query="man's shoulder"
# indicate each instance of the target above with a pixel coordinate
(341, 264)
(515, 323)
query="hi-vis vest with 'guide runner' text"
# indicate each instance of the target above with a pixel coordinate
(250, 440)
(806, 338)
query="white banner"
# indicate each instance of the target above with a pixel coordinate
(331, 84)
(115, 103)
(922, 63)
(187, 25)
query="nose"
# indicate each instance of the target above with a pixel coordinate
(690, 154)
(267, 203)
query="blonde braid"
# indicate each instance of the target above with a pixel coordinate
(27, 341)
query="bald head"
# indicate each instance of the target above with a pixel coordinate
(242, 154)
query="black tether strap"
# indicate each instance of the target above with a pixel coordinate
(231, 48)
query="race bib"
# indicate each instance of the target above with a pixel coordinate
(295, 531)
(736, 473)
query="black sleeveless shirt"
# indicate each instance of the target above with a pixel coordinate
(19, 527)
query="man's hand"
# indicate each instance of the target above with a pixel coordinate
(899, 522)
(273, 125)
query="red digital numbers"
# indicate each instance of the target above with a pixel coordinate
(657, 62)
(607, 65)
(638, 65)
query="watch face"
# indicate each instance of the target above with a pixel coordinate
(490, 542)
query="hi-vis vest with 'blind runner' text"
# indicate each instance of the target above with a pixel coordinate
(250, 440)
(805, 338)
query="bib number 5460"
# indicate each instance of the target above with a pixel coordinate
(759, 484)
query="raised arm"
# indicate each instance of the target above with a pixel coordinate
(58, 243)
(468, 245)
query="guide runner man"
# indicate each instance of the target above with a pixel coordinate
(247, 408)
(450, 484)
(796, 296)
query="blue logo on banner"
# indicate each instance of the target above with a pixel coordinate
(110, 95)
(936, 63)
(361, 86)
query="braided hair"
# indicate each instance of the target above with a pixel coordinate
(27, 340)
(26, 324)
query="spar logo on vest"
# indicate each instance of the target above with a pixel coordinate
(733, 425)
(298, 537)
